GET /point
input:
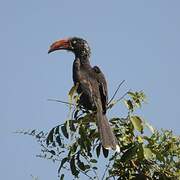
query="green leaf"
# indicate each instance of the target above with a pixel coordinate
(57, 130)
(105, 152)
(128, 155)
(95, 168)
(74, 148)
(137, 123)
(129, 104)
(72, 92)
(39, 135)
(87, 167)
(80, 164)
(98, 150)
(58, 140)
(50, 137)
(64, 131)
(140, 139)
(148, 153)
(52, 152)
(74, 170)
(140, 152)
(159, 156)
(76, 114)
(71, 125)
(131, 94)
(93, 160)
(138, 103)
(141, 177)
(62, 163)
(62, 177)
(33, 132)
(93, 133)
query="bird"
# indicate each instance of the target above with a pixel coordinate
(92, 86)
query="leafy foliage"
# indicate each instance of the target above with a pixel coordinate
(76, 146)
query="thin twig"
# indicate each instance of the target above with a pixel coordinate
(106, 169)
(64, 102)
(87, 159)
(84, 173)
(116, 91)
(122, 97)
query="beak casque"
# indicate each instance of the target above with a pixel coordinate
(59, 45)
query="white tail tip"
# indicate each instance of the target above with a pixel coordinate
(118, 148)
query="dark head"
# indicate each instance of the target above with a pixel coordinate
(76, 45)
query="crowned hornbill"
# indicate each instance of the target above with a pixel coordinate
(92, 86)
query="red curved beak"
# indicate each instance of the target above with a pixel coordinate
(59, 45)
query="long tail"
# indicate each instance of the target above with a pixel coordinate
(107, 137)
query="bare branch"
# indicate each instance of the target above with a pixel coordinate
(116, 91)
(122, 97)
(88, 161)
(63, 102)
(107, 167)
(85, 173)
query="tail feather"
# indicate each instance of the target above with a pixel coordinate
(107, 137)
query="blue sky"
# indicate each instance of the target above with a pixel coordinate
(133, 40)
